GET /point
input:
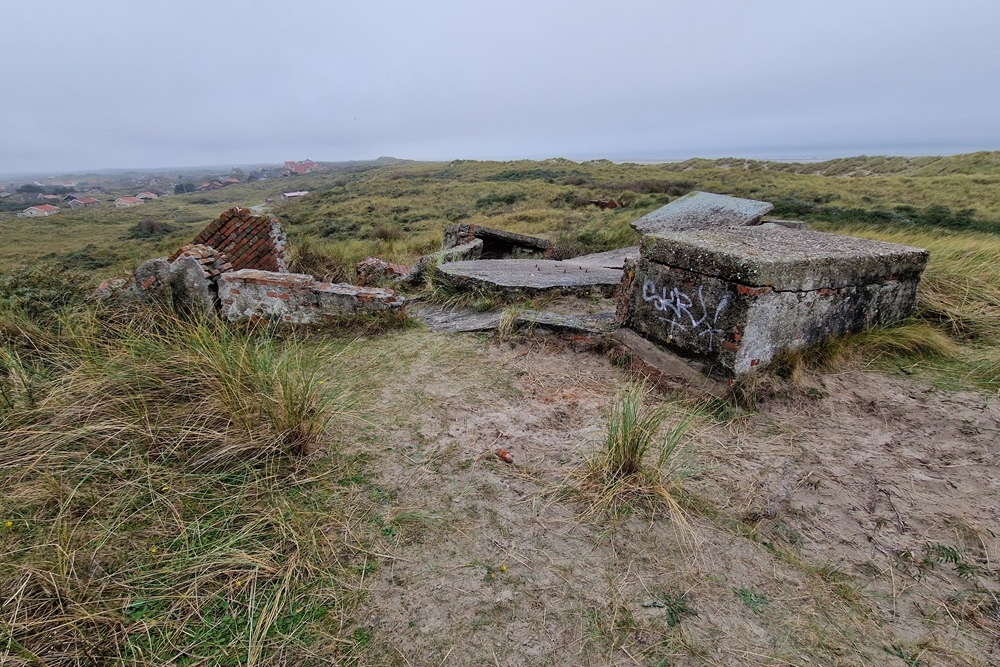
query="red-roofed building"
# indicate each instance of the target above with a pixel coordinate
(83, 202)
(40, 211)
(304, 167)
(125, 202)
(147, 196)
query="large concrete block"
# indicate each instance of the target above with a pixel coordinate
(737, 297)
(150, 283)
(191, 290)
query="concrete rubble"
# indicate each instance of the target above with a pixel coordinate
(236, 268)
(372, 270)
(712, 291)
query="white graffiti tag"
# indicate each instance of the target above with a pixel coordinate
(682, 311)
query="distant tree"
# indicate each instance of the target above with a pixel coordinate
(252, 177)
(181, 188)
(30, 187)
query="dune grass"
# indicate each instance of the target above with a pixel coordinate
(179, 492)
(159, 507)
(637, 465)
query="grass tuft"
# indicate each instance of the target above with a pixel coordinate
(638, 463)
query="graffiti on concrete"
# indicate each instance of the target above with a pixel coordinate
(682, 312)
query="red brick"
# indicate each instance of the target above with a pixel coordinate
(753, 291)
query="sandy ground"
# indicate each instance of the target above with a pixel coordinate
(852, 520)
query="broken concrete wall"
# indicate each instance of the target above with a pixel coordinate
(249, 241)
(497, 243)
(737, 297)
(296, 298)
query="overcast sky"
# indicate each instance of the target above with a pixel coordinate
(120, 83)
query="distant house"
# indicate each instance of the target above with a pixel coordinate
(146, 196)
(40, 211)
(52, 198)
(304, 167)
(83, 202)
(293, 195)
(125, 202)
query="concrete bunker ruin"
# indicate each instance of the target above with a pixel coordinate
(734, 297)
(715, 284)
(236, 268)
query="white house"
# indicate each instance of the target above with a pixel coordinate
(40, 211)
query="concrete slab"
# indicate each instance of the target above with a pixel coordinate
(771, 255)
(453, 320)
(584, 323)
(612, 259)
(702, 210)
(296, 298)
(531, 275)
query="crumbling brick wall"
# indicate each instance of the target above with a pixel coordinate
(249, 241)
(213, 262)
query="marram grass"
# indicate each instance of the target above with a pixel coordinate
(638, 462)
(152, 509)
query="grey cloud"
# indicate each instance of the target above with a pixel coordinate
(119, 83)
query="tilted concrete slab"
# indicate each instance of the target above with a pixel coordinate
(663, 368)
(738, 297)
(531, 275)
(612, 259)
(455, 320)
(702, 210)
(459, 253)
